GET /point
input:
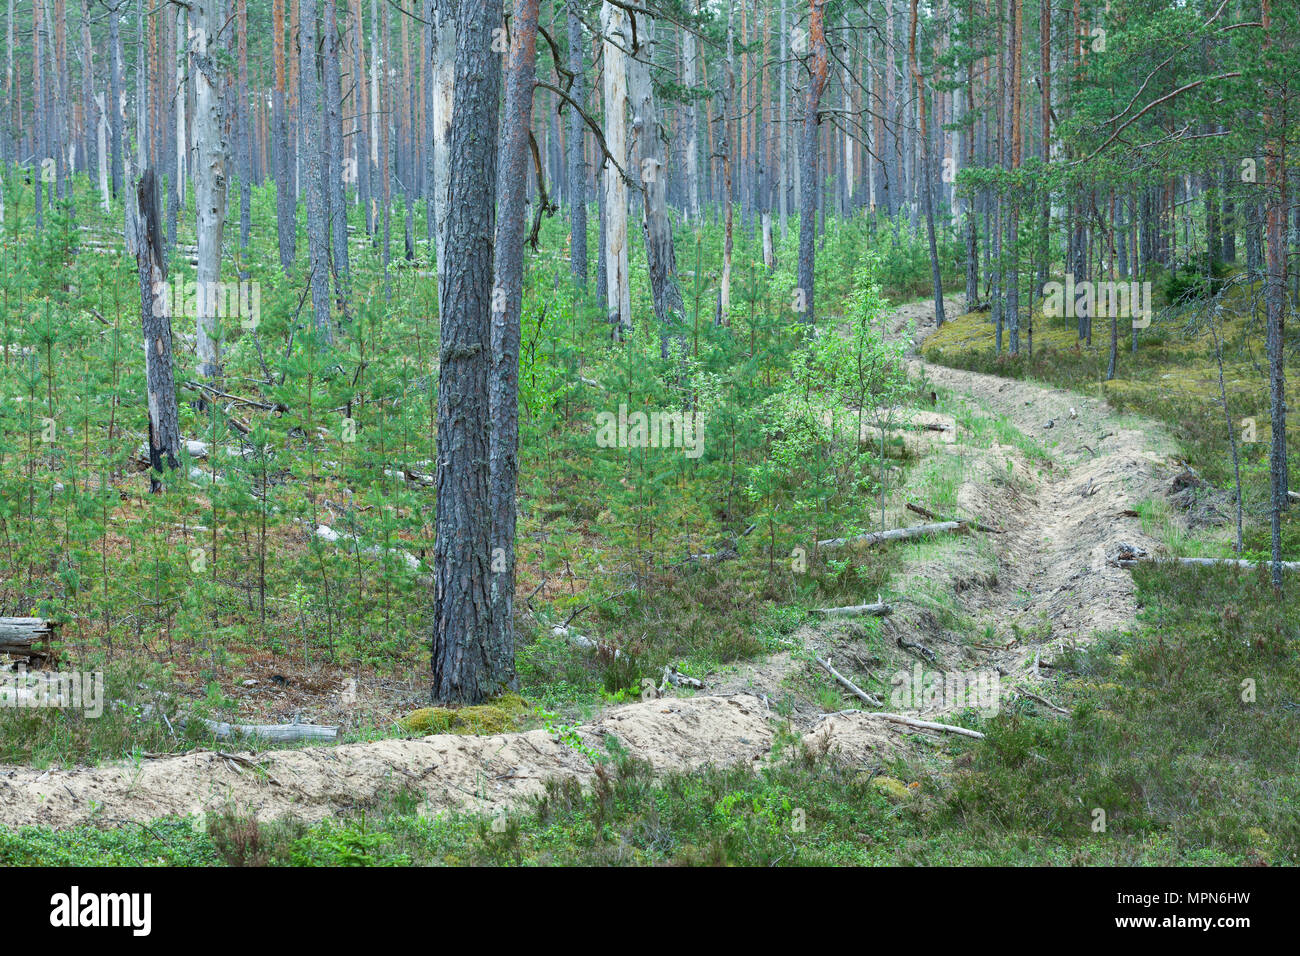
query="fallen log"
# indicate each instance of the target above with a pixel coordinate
(927, 513)
(19, 636)
(1206, 562)
(851, 687)
(672, 677)
(857, 610)
(280, 733)
(927, 725)
(915, 722)
(916, 648)
(896, 534)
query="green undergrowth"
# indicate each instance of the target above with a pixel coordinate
(1179, 750)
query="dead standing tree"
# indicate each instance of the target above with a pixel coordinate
(160, 384)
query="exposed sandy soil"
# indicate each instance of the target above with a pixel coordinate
(1051, 584)
(1053, 573)
(447, 771)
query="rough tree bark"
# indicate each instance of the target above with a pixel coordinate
(503, 386)
(160, 385)
(466, 666)
(244, 137)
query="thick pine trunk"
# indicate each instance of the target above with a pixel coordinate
(503, 387)
(466, 667)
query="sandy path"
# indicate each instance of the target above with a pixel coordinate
(1053, 570)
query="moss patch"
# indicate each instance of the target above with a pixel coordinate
(497, 716)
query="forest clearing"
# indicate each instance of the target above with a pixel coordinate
(692, 432)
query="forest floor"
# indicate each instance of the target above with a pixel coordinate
(1063, 478)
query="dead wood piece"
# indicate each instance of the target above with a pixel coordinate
(976, 525)
(857, 610)
(896, 534)
(671, 676)
(916, 648)
(20, 635)
(917, 723)
(848, 685)
(281, 733)
(1204, 562)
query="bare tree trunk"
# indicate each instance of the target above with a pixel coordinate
(725, 149)
(285, 201)
(361, 122)
(160, 386)
(210, 177)
(444, 39)
(182, 149)
(1275, 304)
(115, 94)
(808, 156)
(430, 220)
(690, 78)
(317, 225)
(648, 158)
(244, 137)
(783, 149)
(334, 174)
(141, 92)
(466, 667)
(927, 174)
(577, 152)
(101, 131)
(618, 303)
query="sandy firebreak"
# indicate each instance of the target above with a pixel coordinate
(1058, 527)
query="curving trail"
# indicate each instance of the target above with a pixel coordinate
(1053, 571)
